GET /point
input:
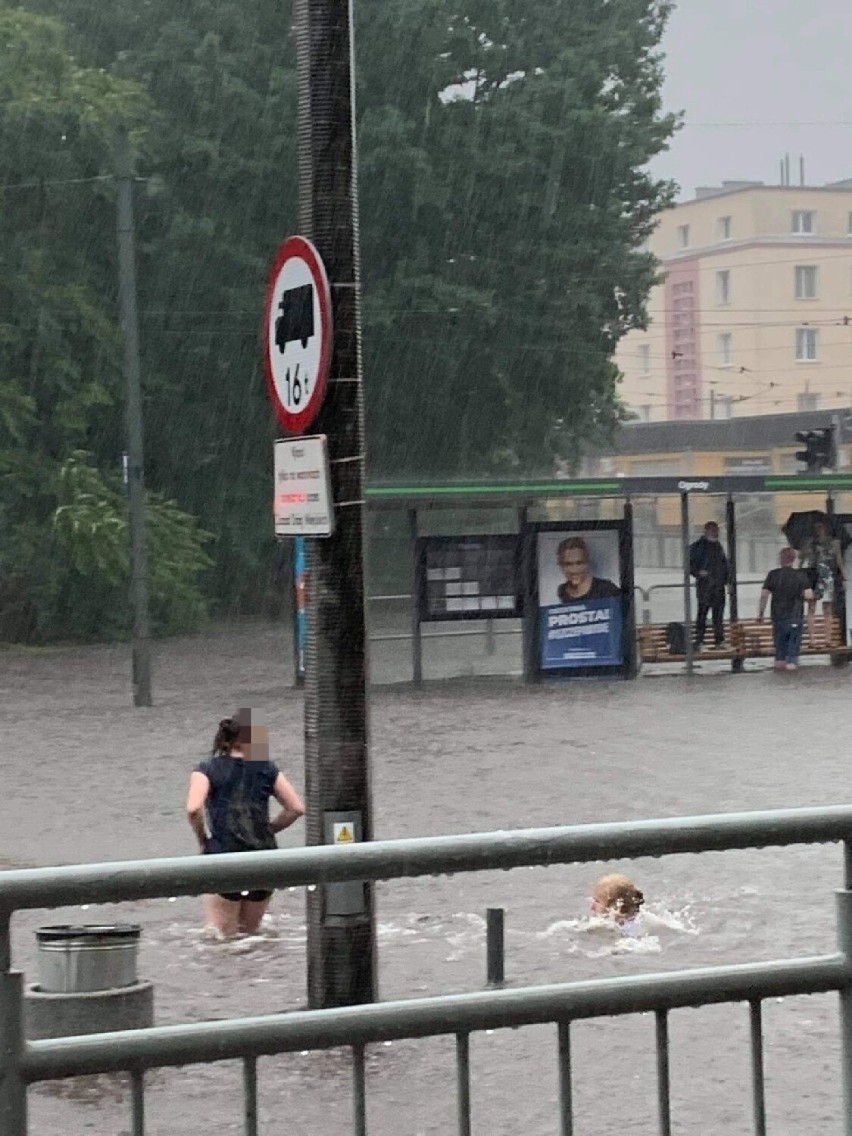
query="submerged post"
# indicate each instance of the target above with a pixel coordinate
(341, 927)
(495, 953)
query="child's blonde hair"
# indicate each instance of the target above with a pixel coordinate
(619, 894)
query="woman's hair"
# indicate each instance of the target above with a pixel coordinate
(231, 730)
(620, 895)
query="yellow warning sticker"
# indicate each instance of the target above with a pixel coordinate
(344, 834)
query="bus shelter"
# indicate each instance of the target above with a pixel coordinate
(515, 574)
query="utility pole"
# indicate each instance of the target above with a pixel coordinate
(341, 918)
(141, 647)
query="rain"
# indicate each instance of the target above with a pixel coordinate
(602, 304)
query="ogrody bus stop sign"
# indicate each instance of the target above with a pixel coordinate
(297, 334)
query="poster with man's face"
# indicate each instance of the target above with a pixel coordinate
(579, 595)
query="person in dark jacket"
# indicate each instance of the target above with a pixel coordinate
(708, 564)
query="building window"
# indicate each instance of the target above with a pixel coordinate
(645, 412)
(645, 358)
(683, 236)
(724, 228)
(724, 407)
(724, 349)
(803, 221)
(807, 401)
(807, 342)
(807, 281)
(723, 287)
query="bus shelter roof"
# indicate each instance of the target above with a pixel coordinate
(519, 493)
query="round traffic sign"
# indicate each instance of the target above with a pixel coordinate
(297, 334)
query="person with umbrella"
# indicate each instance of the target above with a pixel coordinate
(822, 559)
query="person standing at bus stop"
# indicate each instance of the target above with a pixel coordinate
(789, 587)
(708, 564)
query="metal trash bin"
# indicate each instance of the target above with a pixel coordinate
(87, 958)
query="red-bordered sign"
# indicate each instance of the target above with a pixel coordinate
(297, 334)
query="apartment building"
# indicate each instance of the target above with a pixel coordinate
(755, 312)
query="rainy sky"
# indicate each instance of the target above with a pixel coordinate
(780, 61)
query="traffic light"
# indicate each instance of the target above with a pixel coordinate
(820, 452)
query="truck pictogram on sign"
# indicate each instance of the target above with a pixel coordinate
(296, 322)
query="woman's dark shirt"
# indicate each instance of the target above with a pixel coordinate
(237, 805)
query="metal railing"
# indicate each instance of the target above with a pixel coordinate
(134, 1051)
(646, 594)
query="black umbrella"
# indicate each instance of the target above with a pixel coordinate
(800, 528)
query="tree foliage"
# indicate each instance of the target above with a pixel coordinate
(60, 369)
(506, 198)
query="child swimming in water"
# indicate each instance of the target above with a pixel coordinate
(618, 898)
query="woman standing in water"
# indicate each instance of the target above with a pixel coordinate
(229, 794)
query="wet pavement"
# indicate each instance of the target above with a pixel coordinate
(86, 777)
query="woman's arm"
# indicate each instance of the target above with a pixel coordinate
(199, 787)
(291, 804)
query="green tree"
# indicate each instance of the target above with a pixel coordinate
(91, 531)
(61, 387)
(506, 198)
(221, 196)
(514, 147)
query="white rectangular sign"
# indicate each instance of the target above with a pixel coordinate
(303, 504)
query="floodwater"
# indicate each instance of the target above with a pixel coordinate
(86, 777)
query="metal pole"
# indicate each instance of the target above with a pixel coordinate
(13, 1090)
(494, 945)
(687, 579)
(300, 614)
(490, 637)
(342, 948)
(733, 601)
(141, 648)
(844, 942)
(416, 591)
(628, 584)
(528, 589)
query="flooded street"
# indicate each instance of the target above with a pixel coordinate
(92, 779)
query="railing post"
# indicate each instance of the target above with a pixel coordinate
(13, 1089)
(844, 942)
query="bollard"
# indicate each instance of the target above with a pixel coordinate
(494, 928)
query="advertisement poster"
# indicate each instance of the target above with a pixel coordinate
(580, 599)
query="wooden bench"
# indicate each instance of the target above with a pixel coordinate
(745, 639)
(754, 640)
(654, 647)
